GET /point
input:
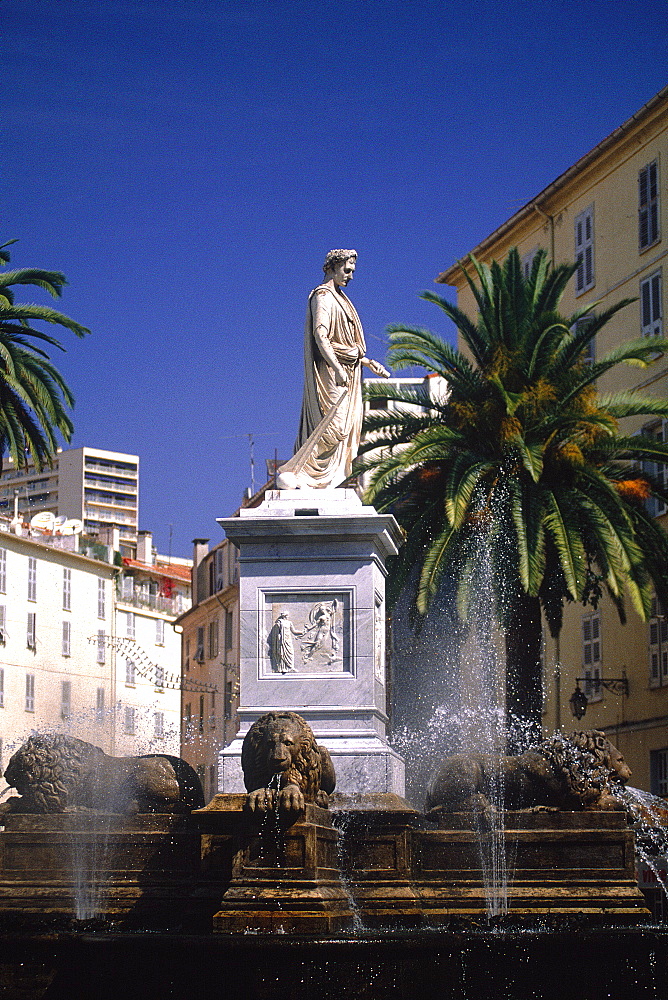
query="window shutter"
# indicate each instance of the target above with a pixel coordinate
(648, 205)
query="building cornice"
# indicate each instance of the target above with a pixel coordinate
(43, 548)
(652, 110)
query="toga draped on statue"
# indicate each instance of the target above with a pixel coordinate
(329, 462)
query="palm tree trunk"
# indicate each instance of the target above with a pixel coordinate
(523, 672)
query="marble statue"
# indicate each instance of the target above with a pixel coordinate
(332, 409)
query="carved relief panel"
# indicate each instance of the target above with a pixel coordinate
(306, 633)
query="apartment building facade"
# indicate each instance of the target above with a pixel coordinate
(100, 488)
(87, 643)
(608, 213)
(151, 592)
(210, 660)
(53, 601)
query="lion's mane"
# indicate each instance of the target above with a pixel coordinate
(310, 767)
(47, 771)
(54, 773)
(573, 772)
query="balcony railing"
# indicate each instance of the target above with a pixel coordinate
(156, 602)
(101, 514)
(111, 470)
(120, 487)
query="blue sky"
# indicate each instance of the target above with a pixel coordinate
(188, 165)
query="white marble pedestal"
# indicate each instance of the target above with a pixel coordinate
(312, 629)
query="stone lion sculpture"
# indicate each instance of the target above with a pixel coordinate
(571, 773)
(280, 757)
(58, 773)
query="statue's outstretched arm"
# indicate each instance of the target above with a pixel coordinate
(376, 367)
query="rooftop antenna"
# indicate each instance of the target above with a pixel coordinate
(251, 444)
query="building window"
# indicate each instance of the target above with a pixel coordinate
(656, 471)
(658, 646)
(188, 718)
(31, 632)
(160, 631)
(30, 692)
(66, 699)
(3, 571)
(199, 652)
(101, 598)
(67, 590)
(127, 587)
(101, 646)
(160, 677)
(658, 772)
(201, 713)
(32, 579)
(2, 687)
(130, 624)
(584, 250)
(229, 694)
(67, 637)
(186, 656)
(591, 656)
(99, 706)
(3, 624)
(229, 629)
(589, 350)
(213, 638)
(159, 724)
(220, 568)
(651, 311)
(648, 205)
(527, 262)
(129, 720)
(130, 672)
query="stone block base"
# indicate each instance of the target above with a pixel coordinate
(133, 870)
(281, 880)
(376, 835)
(556, 863)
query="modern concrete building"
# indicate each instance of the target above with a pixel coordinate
(100, 488)
(608, 213)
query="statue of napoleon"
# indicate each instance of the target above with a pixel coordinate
(332, 410)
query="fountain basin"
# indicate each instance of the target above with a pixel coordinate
(132, 870)
(595, 963)
(558, 863)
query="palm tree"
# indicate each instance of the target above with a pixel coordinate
(34, 397)
(525, 454)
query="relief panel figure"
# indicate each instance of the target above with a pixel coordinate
(281, 648)
(307, 633)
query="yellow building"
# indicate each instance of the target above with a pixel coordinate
(608, 213)
(210, 660)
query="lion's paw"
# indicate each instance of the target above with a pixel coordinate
(291, 799)
(261, 800)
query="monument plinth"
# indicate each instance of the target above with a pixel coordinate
(312, 628)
